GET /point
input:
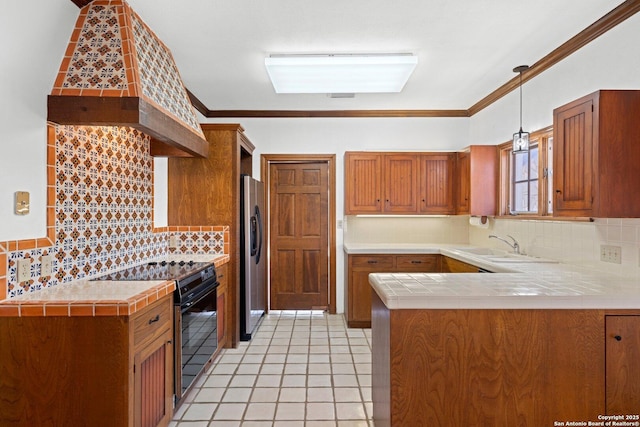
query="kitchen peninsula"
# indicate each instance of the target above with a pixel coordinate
(536, 343)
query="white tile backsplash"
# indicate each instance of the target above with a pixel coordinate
(418, 229)
(567, 241)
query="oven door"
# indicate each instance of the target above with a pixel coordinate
(196, 338)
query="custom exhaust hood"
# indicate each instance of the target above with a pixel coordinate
(116, 72)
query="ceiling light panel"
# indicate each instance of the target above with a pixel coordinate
(340, 73)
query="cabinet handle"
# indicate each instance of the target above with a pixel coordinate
(372, 261)
(155, 319)
(221, 276)
(558, 191)
(618, 337)
(416, 261)
(169, 342)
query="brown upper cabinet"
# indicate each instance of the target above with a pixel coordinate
(437, 183)
(399, 183)
(596, 155)
(477, 180)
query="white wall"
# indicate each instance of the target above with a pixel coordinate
(612, 61)
(34, 37)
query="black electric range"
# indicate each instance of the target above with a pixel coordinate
(192, 278)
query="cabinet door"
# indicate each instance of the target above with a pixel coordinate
(464, 182)
(221, 308)
(573, 160)
(401, 183)
(436, 183)
(363, 183)
(451, 265)
(622, 367)
(153, 382)
(358, 304)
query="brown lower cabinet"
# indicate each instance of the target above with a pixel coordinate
(88, 370)
(358, 289)
(503, 367)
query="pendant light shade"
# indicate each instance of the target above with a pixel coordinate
(520, 138)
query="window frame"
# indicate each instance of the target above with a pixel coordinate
(543, 138)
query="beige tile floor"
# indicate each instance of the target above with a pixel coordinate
(302, 368)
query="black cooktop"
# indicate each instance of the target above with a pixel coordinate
(161, 270)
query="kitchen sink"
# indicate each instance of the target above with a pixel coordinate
(518, 258)
(498, 256)
(483, 251)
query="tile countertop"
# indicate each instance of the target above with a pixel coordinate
(513, 285)
(97, 298)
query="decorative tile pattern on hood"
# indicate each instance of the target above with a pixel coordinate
(98, 64)
(159, 76)
(113, 53)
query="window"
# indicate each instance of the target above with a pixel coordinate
(524, 181)
(525, 177)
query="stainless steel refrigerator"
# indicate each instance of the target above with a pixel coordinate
(252, 256)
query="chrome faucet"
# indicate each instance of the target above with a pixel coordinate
(515, 246)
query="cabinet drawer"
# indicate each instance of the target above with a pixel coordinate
(372, 261)
(152, 320)
(423, 263)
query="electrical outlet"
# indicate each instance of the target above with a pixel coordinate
(611, 254)
(173, 241)
(24, 270)
(46, 265)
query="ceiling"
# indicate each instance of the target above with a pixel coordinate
(466, 48)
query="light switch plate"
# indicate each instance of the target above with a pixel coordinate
(24, 270)
(173, 241)
(46, 265)
(611, 254)
(22, 203)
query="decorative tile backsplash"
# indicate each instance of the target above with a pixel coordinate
(103, 215)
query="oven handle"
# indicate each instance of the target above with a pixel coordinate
(186, 305)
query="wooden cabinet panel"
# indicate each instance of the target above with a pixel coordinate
(221, 296)
(93, 363)
(464, 181)
(207, 192)
(363, 183)
(375, 262)
(477, 180)
(151, 322)
(153, 389)
(400, 183)
(486, 367)
(573, 157)
(437, 181)
(596, 155)
(451, 265)
(622, 339)
(358, 289)
(419, 263)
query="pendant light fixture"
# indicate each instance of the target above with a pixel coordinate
(520, 138)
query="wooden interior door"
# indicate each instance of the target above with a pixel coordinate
(299, 235)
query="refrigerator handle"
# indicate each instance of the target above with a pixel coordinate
(259, 221)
